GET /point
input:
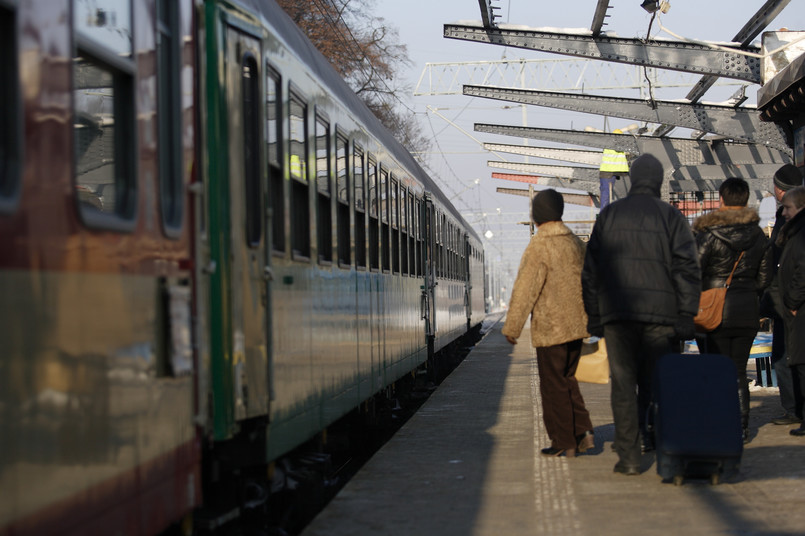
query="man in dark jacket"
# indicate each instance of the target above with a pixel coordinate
(640, 284)
(787, 177)
(791, 278)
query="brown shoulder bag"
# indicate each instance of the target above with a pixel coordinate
(711, 304)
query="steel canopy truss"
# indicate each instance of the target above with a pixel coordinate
(571, 199)
(554, 182)
(488, 14)
(745, 35)
(729, 121)
(675, 55)
(563, 74)
(577, 156)
(563, 172)
(715, 160)
(599, 16)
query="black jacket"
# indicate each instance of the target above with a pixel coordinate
(791, 276)
(641, 263)
(720, 237)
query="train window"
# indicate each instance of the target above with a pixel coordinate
(404, 230)
(383, 202)
(411, 234)
(419, 234)
(10, 112)
(276, 186)
(251, 150)
(324, 213)
(442, 229)
(454, 252)
(394, 209)
(383, 195)
(300, 203)
(452, 266)
(457, 253)
(374, 231)
(360, 211)
(169, 118)
(394, 190)
(372, 179)
(446, 248)
(104, 125)
(403, 208)
(342, 199)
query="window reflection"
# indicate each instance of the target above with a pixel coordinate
(94, 135)
(106, 22)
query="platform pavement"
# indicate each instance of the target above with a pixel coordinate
(468, 463)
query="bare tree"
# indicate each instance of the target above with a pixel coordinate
(366, 51)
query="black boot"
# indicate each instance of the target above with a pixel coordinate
(743, 400)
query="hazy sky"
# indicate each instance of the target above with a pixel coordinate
(458, 160)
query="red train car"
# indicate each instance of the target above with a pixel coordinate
(97, 148)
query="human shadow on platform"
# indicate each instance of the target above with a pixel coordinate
(434, 475)
(780, 462)
(760, 464)
(471, 404)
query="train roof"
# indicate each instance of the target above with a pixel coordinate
(275, 17)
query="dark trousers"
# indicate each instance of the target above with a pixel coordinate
(563, 409)
(606, 186)
(799, 381)
(633, 348)
(785, 378)
(735, 343)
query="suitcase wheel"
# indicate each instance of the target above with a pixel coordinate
(714, 479)
(678, 479)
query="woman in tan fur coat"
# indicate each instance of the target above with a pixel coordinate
(548, 287)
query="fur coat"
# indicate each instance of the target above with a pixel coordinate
(548, 287)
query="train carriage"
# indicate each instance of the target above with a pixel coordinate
(212, 252)
(96, 372)
(347, 265)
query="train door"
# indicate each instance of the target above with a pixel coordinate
(247, 225)
(429, 292)
(465, 268)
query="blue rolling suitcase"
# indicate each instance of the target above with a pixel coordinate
(696, 417)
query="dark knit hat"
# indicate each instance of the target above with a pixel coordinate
(548, 205)
(787, 177)
(646, 166)
(647, 174)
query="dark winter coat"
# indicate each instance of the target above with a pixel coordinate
(641, 263)
(720, 237)
(791, 274)
(771, 304)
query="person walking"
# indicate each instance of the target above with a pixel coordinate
(548, 287)
(785, 178)
(792, 289)
(640, 284)
(730, 241)
(614, 165)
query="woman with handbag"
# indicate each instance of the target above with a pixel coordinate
(548, 288)
(733, 247)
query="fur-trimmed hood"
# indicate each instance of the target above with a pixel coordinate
(736, 227)
(719, 218)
